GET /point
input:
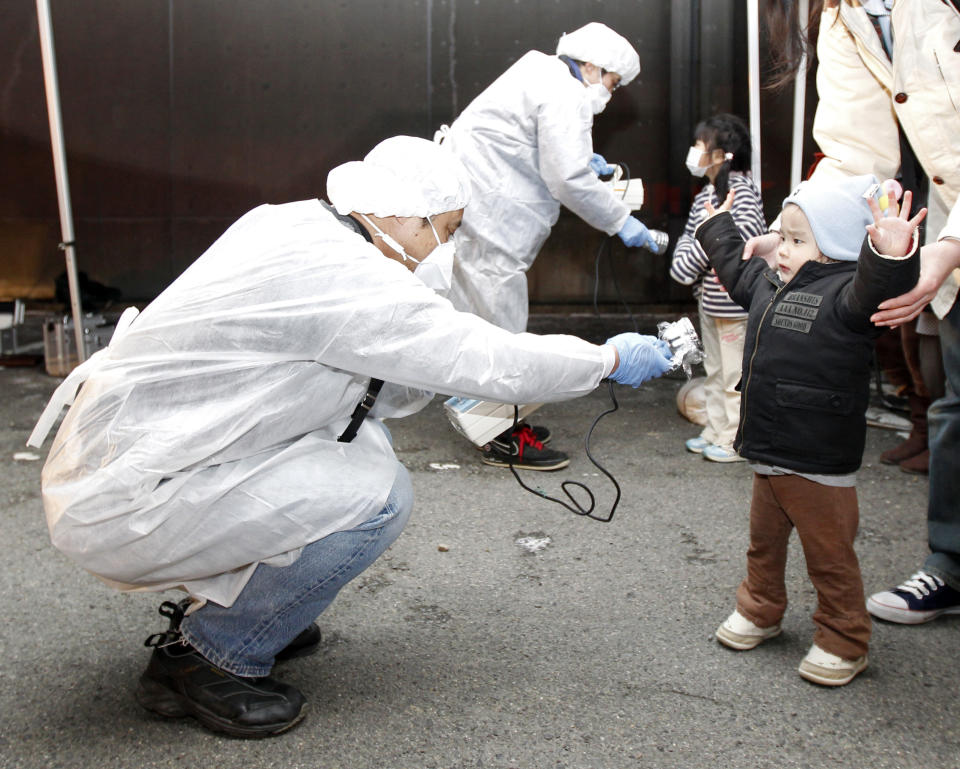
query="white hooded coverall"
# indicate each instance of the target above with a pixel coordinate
(204, 439)
(526, 143)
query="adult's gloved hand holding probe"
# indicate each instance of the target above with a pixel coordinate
(641, 358)
(634, 233)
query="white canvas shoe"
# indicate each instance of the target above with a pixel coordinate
(721, 454)
(828, 669)
(739, 633)
(696, 445)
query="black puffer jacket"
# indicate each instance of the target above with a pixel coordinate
(808, 350)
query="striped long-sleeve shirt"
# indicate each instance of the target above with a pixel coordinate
(690, 264)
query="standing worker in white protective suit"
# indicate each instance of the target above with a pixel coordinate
(526, 143)
(217, 445)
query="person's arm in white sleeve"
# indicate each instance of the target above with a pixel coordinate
(423, 342)
(565, 148)
(401, 331)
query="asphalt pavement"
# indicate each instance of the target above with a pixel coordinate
(501, 630)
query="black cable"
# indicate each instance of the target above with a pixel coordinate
(575, 507)
(626, 174)
(578, 509)
(616, 284)
(596, 275)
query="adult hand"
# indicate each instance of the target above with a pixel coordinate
(600, 166)
(765, 246)
(893, 235)
(641, 358)
(937, 261)
(635, 234)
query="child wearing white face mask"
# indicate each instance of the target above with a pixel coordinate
(721, 153)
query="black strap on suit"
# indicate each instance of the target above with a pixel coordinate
(361, 411)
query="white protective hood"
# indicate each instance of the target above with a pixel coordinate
(401, 176)
(598, 44)
(204, 438)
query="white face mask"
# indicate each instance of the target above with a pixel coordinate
(693, 162)
(598, 95)
(436, 270)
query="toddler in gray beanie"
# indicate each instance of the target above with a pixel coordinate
(805, 386)
(837, 212)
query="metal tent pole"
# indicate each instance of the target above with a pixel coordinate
(799, 103)
(60, 167)
(753, 81)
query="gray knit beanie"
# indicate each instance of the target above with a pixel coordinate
(838, 213)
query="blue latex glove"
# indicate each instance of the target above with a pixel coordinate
(641, 358)
(634, 233)
(600, 166)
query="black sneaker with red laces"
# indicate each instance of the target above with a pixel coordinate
(540, 432)
(521, 448)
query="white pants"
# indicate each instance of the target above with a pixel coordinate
(722, 358)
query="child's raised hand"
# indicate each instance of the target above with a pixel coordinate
(893, 235)
(725, 206)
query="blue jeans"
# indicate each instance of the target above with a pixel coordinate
(943, 511)
(280, 602)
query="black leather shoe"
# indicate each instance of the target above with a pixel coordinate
(179, 682)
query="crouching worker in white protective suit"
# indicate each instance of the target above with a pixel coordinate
(217, 445)
(526, 143)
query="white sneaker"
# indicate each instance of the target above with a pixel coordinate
(828, 669)
(721, 454)
(697, 445)
(738, 632)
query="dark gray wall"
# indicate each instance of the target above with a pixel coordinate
(179, 115)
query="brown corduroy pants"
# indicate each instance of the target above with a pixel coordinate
(826, 519)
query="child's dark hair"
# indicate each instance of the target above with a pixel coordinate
(728, 133)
